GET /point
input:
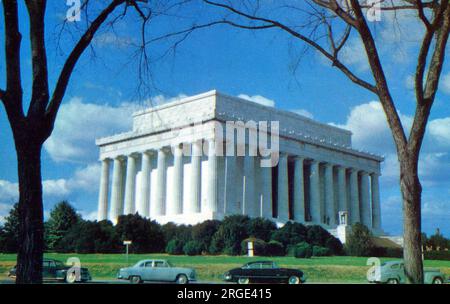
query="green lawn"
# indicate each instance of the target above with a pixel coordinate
(320, 269)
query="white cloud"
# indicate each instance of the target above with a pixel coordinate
(258, 99)
(4, 211)
(354, 54)
(109, 39)
(56, 187)
(371, 133)
(86, 179)
(79, 124)
(303, 112)
(88, 215)
(440, 130)
(445, 83)
(8, 191)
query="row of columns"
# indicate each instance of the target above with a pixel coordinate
(348, 190)
(362, 200)
(123, 195)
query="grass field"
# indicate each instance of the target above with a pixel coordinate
(210, 268)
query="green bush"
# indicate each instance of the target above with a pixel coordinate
(274, 248)
(384, 252)
(290, 234)
(261, 228)
(228, 238)
(360, 241)
(319, 236)
(303, 250)
(175, 247)
(204, 232)
(319, 251)
(437, 255)
(192, 248)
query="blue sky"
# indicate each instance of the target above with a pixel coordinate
(102, 95)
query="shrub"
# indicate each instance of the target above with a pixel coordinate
(261, 228)
(387, 252)
(147, 236)
(192, 248)
(303, 250)
(437, 255)
(204, 232)
(228, 238)
(173, 231)
(360, 241)
(319, 236)
(175, 247)
(274, 248)
(319, 251)
(290, 234)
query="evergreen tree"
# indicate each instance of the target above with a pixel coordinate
(62, 218)
(10, 231)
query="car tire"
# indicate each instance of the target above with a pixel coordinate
(392, 281)
(71, 277)
(135, 280)
(438, 281)
(294, 280)
(243, 281)
(182, 279)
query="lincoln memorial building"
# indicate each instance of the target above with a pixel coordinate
(212, 155)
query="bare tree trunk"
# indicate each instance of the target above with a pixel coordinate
(411, 192)
(31, 227)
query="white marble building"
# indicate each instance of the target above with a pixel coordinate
(158, 169)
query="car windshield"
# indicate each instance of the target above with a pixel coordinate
(169, 264)
(59, 264)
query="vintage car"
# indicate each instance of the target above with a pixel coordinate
(264, 272)
(158, 271)
(54, 270)
(393, 272)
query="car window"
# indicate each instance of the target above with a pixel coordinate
(267, 265)
(148, 264)
(254, 266)
(46, 264)
(59, 264)
(395, 266)
(160, 264)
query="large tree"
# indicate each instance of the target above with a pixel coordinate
(326, 25)
(31, 127)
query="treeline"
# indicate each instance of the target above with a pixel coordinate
(66, 231)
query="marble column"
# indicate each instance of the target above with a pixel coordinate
(342, 189)
(211, 202)
(193, 205)
(330, 208)
(355, 216)
(366, 215)
(103, 193)
(283, 188)
(249, 199)
(376, 208)
(143, 207)
(159, 207)
(176, 205)
(299, 195)
(116, 191)
(266, 199)
(130, 185)
(230, 190)
(314, 193)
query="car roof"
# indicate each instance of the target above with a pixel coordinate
(254, 262)
(152, 260)
(394, 262)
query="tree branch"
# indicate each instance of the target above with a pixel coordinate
(12, 97)
(336, 62)
(72, 59)
(380, 78)
(40, 93)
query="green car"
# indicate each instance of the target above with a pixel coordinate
(54, 270)
(393, 272)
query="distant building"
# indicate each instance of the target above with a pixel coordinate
(169, 167)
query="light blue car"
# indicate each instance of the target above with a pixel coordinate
(393, 272)
(157, 271)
